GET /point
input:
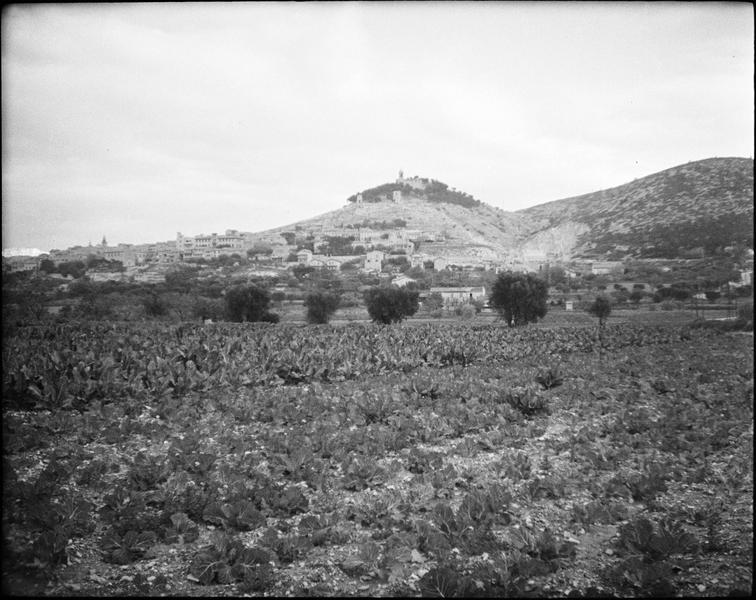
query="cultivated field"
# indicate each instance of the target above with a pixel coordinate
(438, 458)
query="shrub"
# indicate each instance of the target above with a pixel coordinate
(248, 303)
(466, 311)
(390, 305)
(673, 293)
(433, 302)
(636, 296)
(320, 307)
(519, 298)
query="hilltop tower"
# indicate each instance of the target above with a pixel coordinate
(104, 242)
(400, 179)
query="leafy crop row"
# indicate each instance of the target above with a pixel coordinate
(108, 362)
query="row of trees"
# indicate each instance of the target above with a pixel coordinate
(518, 298)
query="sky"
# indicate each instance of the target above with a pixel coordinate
(137, 121)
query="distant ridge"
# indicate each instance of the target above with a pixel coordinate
(703, 204)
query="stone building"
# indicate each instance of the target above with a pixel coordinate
(374, 261)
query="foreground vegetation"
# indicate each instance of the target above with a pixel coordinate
(424, 459)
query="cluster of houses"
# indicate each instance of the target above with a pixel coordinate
(149, 262)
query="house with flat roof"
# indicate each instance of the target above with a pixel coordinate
(453, 296)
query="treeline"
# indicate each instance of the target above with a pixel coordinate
(382, 192)
(440, 192)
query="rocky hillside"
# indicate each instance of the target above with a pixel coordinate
(480, 231)
(703, 204)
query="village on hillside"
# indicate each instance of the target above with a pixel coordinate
(391, 255)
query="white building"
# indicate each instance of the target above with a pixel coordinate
(418, 260)
(232, 240)
(374, 261)
(281, 253)
(304, 256)
(402, 280)
(453, 296)
(106, 276)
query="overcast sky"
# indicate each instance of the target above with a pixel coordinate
(138, 121)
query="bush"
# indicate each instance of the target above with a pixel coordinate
(672, 293)
(155, 306)
(248, 303)
(208, 308)
(519, 298)
(320, 307)
(434, 302)
(466, 311)
(270, 317)
(390, 305)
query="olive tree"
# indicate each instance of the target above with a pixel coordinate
(321, 306)
(390, 305)
(519, 298)
(248, 303)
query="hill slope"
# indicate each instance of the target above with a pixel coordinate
(480, 231)
(707, 203)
